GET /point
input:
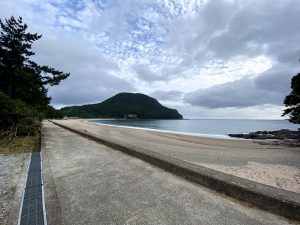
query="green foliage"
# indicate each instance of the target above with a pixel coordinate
(17, 117)
(123, 104)
(292, 101)
(51, 113)
(23, 93)
(20, 77)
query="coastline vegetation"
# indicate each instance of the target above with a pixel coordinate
(292, 101)
(21, 144)
(23, 88)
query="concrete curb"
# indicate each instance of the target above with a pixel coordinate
(272, 199)
(52, 206)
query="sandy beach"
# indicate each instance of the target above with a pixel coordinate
(272, 165)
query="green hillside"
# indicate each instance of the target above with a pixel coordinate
(120, 105)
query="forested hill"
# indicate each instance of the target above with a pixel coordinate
(121, 105)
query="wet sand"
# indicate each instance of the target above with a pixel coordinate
(277, 166)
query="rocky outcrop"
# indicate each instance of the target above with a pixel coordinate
(279, 134)
(280, 137)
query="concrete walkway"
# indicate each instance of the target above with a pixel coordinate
(88, 183)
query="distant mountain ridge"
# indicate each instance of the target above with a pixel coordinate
(124, 105)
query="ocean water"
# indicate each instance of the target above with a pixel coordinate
(205, 127)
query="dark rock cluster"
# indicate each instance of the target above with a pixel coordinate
(282, 137)
(262, 135)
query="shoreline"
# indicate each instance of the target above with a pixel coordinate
(284, 140)
(241, 132)
(217, 136)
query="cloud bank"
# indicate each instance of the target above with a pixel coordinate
(206, 57)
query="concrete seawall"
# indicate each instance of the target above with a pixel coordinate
(269, 198)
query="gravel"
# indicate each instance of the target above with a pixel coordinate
(10, 170)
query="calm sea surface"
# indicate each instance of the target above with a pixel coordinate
(204, 126)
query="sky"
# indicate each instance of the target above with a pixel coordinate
(229, 59)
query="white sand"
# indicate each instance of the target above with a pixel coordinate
(281, 176)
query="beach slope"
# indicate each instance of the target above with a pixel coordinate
(277, 166)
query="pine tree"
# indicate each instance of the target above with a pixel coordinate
(21, 78)
(292, 101)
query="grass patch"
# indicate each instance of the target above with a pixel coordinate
(19, 145)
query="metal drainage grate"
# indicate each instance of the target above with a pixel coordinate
(33, 219)
(33, 209)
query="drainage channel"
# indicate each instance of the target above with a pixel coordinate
(32, 211)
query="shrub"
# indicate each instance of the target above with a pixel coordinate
(17, 118)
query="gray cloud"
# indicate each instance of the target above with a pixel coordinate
(175, 42)
(225, 29)
(144, 73)
(175, 96)
(289, 56)
(267, 88)
(92, 76)
(80, 89)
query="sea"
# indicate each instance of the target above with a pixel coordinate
(202, 127)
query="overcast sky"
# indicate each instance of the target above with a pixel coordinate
(208, 59)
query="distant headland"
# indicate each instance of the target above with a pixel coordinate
(124, 105)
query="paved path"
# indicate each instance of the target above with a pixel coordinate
(88, 183)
